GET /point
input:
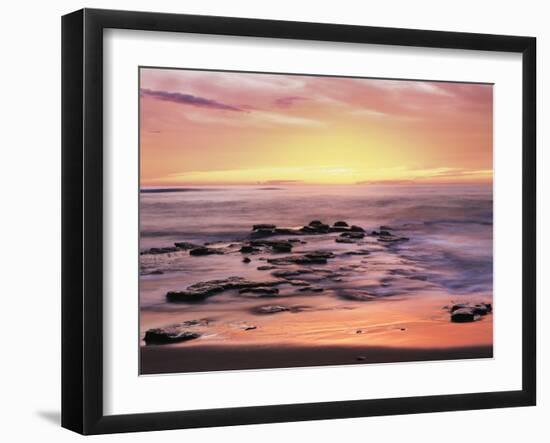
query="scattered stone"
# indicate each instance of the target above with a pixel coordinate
(310, 258)
(290, 273)
(263, 226)
(186, 245)
(357, 252)
(356, 228)
(359, 331)
(272, 309)
(353, 234)
(344, 240)
(386, 233)
(276, 246)
(248, 249)
(260, 290)
(299, 283)
(161, 336)
(265, 268)
(203, 250)
(356, 295)
(246, 260)
(463, 315)
(391, 239)
(340, 224)
(155, 251)
(250, 328)
(200, 291)
(311, 289)
(155, 272)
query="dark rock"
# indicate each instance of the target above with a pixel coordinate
(357, 252)
(316, 223)
(250, 328)
(340, 224)
(385, 228)
(463, 315)
(203, 250)
(272, 309)
(356, 295)
(359, 331)
(248, 249)
(356, 228)
(186, 245)
(246, 260)
(311, 289)
(161, 336)
(392, 239)
(155, 251)
(260, 290)
(299, 283)
(338, 229)
(265, 268)
(290, 273)
(200, 291)
(344, 240)
(287, 231)
(263, 226)
(156, 272)
(353, 234)
(361, 358)
(376, 233)
(310, 258)
(385, 233)
(276, 246)
(477, 309)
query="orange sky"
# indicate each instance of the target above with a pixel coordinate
(201, 127)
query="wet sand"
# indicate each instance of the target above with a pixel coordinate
(162, 359)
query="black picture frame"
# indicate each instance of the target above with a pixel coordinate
(82, 219)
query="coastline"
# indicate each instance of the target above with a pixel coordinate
(156, 360)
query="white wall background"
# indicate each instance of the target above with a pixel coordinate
(30, 218)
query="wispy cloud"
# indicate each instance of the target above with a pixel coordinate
(285, 102)
(188, 99)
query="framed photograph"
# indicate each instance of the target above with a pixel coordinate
(268, 221)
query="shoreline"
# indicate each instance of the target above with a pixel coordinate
(210, 358)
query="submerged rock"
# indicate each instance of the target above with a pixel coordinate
(248, 249)
(310, 258)
(344, 240)
(155, 251)
(203, 250)
(276, 246)
(274, 309)
(357, 235)
(260, 290)
(391, 239)
(186, 245)
(200, 291)
(263, 226)
(161, 336)
(311, 289)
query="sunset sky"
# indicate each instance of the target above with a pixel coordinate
(199, 127)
